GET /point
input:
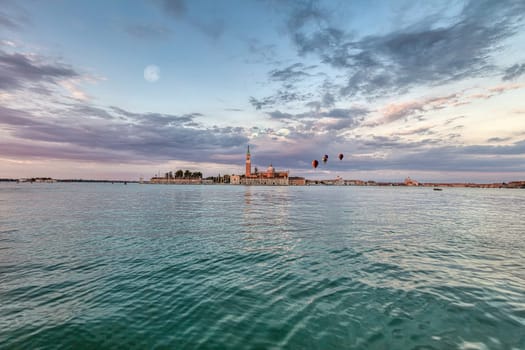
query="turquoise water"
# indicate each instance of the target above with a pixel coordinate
(211, 267)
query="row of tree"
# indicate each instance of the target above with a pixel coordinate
(179, 174)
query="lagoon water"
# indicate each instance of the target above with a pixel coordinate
(212, 267)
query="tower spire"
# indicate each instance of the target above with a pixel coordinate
(248, 151)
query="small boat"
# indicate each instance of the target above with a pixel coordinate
(438, 189)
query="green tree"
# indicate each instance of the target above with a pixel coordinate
(179, 174)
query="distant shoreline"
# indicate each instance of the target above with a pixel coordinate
(49, 180)
(338, 182)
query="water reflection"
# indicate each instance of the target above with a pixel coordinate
(266, 217)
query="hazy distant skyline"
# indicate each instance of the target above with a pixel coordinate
(123, 89)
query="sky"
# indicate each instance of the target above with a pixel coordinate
(433, 90)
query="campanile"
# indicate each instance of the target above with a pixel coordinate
(248, 163)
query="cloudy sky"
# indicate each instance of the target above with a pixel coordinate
(434, 90)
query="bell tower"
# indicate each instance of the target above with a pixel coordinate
(248, 163)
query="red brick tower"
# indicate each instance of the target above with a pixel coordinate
(248, 163)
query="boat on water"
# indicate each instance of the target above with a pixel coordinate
(438, 189)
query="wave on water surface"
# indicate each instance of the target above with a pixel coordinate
(96, 265)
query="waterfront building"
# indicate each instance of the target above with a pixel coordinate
(411, 182)
(235, 179)
(38, 180)
(268, 177)
(175, 181)
(296, 181)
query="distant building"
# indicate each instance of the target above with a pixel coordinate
(410, 182)
(516, 184)
(175, 181)
(38, 180)
(268, 177)
(296, 181)
(235, 179)
(355, 182)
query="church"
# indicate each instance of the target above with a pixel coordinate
(269, 177)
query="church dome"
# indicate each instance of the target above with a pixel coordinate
(270, 169)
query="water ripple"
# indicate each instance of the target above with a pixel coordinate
(253, 267)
